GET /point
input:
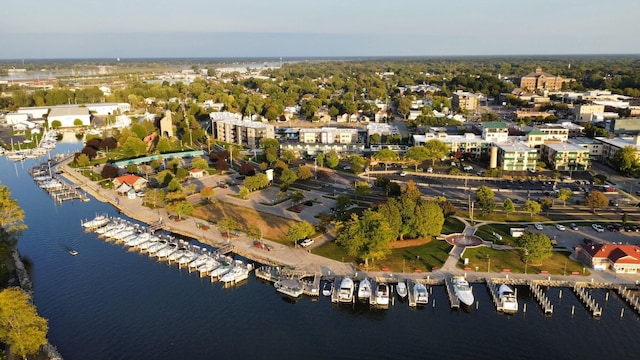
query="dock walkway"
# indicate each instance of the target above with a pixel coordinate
(631, 298)
(453, 298)
(541, 297)
(587, 300)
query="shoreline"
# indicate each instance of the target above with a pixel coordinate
(301, 259)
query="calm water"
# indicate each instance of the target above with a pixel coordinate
(109, 303)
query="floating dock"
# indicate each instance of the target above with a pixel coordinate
(453, 298)
(492, 287)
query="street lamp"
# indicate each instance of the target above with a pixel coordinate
(488, 264)
(526, 260)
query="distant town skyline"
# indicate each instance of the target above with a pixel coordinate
(331, 28)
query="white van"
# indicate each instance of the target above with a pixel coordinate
(468, 168)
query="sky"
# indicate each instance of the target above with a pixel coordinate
(45, 29)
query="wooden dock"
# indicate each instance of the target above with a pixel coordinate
(631, 298)
(587, 300)
(411, 298)
(268, 273)
(541, 297)
(494, 294)
(311, 287)
(453, 298)
(335, 291)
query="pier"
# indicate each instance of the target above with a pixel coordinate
(453, 298)
(411, 297)
(541, 297)
(335, 291)
(629, 297)
(587, 300)
(57, 188)
(492, 287)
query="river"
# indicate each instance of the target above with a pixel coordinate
(111, 303)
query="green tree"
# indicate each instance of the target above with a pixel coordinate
(546, 204)
(417, 155)
(288, 177)
(20, 325)
(363, 188)
(411, 191)
(626, 161)
(508, 207)
(174, 185)
(304, 173)
(532, 207)
(11, 219)
(596, 200)
(82, 160)
(154, 197)
(200, 163)
(244, 193)
(300, 231)
(485, 200)
(206, 193)
(358, 163)
(391, 212)
(533, 247)
(565, 195)
(270, 148)
(320, 159)
(254, 232)
(429, 219)
(289, 156)
(132, 169)
(368, 238)
(255, 182)
(332, 159)
(297, 196)
(404, 107)
(342, 201)
(181, 174)
(55, 124)
(134, 147)
(227, 225)
(436, 150)
(181, 208)
(386, 156)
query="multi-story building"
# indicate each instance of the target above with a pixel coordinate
(611, 146)
(495, 131)
(463, 100)
(539, 80)
(594, 146)
(565, 156)
(586, 112)
(242, 132)
(516, 156)
(322, 140)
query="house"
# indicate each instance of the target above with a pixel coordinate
(196, 173)
(133, 181)
(619, 258)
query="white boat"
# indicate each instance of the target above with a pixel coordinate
(139, 239)
(289, 287)
(346, 290)
(186, 258)
(508, 299)
(420, 294)
(239, 272)
(153, 249)
(96, 222)
(463, 290)
(221, 270)
(147, 244)
(73, 252)
(327, 288)
(167, 250)
(401, 289)
(364, 290)
(208, 266)
(201, 259)
(382, 295)
(177, 254)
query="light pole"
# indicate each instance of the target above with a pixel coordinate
(315, 168)
(488, 263)
(526, 260)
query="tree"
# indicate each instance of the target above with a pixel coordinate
(244, 193)
(299, 231)
(320, 159)
(20, 325)
(436, 150)
(11, 220)
(270, 147)
(304, 173)
(255, 182)
(132, 169)
(429, 219)
(200, 163)
(342, 201)
(533, 247)
(417, 155)
(254, 232)
(508, 207)
(297, 196)
(154, 197)
(366, 238)
(596, 200)
(404, 107)
(174, 185)
(358, 163)
(546, 204)
(227, 225)
(386, 156)
(247, 169)
(288, 176)
(532, 207)
(363, 188)
(332, 159)
(411, 191)
(56, 124)
(133, 146)
(206, 193)
(484, 199)
(626, 161)
(288, 155)
(109, 172)
(182, 207)
(565, 195)
(82, 160)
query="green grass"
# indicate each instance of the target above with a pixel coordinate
(452, 226)
(558, 264)
(486, 233)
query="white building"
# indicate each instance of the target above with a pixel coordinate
(67, 116)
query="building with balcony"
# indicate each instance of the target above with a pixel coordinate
(516, 156)
(565, 156)
(463, 100)
(241, 132)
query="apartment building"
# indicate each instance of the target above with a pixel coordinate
(463, 100)
(242, 132)
(565, 156)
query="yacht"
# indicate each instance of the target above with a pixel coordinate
(98, 221)
(382, 295)
(221, 270)
(508, 299)
(177, 254)
(420, 294)
(364, 290)
(289, 287)
(167, 250)
(401, 289)
(239, 272)
(463, 290)
(346, 290)
(208, 266)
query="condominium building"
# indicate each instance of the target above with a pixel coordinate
(565, 156)
(611, 146)
(495, 131)
(463, 100)
(242, 132)
(516, 156)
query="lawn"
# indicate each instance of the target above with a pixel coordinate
(452, 226)
(497, 260)
(486, 232)
(274, 227)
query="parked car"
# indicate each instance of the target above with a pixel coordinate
(538, 226)
(403, 173)
(306, 242)
(597, 227)
(430, 170)
(573, 226)
(560, 227)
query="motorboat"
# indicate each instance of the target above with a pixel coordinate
(208, 266)
(346, 290)
(364, 290)
(167, 250)
(382, 295)
(420, 294)
(153, 249)
(463, 290)
(508, 299)
(73, 252)
(239, 272)
(289, 287)
(201, 259)
(221, 270)
(177, 254)
(186, 258)
(401, 289)
(96, 222)
(327, 288)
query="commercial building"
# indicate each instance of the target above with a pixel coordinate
(594, 146)
(587, 112)
(539, 80)
(69, 116)
(516, 156)
(619, 258)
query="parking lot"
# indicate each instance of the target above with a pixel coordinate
(569, 238)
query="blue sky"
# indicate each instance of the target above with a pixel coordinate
(333, 28)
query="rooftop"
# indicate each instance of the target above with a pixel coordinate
(565, 147)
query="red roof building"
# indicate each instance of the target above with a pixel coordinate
(196, 173)
(619, 258)
(136, 182)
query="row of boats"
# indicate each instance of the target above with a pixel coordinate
(48, 142)
(207, 263)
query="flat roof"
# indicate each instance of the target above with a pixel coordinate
(66, 111)
(515, 146)
(619, 142)
(565, 147)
